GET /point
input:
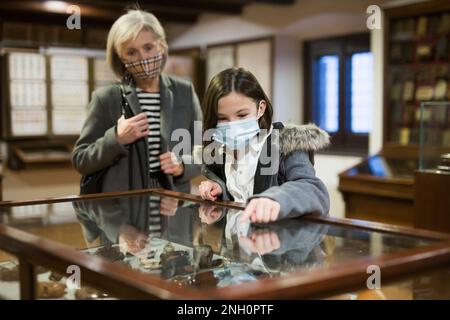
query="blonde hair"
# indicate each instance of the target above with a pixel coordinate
(127, 27)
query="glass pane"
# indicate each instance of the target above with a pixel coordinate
(197, 244)
(381, 166)
(327, 93)
(361, 92)
(435, 136)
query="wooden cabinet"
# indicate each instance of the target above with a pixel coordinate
(376, 190)
(432, 200)
(380, 189)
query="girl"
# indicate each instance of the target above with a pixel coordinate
(268, 166)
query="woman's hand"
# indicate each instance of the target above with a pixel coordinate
(131, 129)
(170, 164)
(210, 190)
(261, 210)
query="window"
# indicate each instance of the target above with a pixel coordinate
(339, 90)
(361, 92)
(327, 111)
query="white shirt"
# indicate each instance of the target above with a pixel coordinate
(240, 172)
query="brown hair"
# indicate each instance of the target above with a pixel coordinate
(237, 80)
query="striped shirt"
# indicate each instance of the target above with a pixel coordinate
(150, 104)
(154, 217)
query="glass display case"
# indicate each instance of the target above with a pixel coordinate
(163, 244)
(432, 203)
(434, 136)
(380, 188)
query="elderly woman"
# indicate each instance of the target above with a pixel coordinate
(137, 51)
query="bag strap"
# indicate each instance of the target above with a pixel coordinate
(128, 113)
(126, 109)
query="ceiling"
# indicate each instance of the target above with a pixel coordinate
(106, 11)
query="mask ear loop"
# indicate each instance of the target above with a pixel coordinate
(259, 108)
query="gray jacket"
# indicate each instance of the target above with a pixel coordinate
(293, 184)
(97, 146)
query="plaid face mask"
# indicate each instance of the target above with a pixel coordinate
(146, 68)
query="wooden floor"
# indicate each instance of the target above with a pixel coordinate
(49, 183)
(70, 234)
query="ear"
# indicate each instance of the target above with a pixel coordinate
(261, 109)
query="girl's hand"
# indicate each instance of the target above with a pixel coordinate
(209, 213)
(261, 210)
(210, 190)
(132, 129)
(170, 164)
(262, 241)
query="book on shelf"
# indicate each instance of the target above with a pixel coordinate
(404, 136)
(424, 52)
(444, 25)
(434, 23)
(396, 91)
(424, 93)
(422, 24)
(408, 90)
(441, 89)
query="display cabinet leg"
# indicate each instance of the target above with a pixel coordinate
(27, 280)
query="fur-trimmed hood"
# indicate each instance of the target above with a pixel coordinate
(308, 137)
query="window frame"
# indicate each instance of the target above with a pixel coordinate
(343, 141)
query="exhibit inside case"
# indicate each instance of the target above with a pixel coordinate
(188, 248)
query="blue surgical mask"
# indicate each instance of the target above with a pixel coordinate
(236, 134)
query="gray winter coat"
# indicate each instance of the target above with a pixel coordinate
(293, 184)
(97, 146)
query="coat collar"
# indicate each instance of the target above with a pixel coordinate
(271, 148)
